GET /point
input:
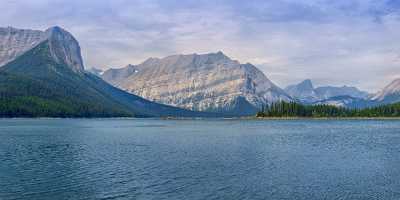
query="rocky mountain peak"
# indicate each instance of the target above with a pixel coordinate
(65, 48)
(303, 91)
(306, 92)
(201, 82)
(306, 85)
(215, 57)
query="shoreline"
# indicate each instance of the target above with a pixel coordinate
(327, 118)
(206, 118)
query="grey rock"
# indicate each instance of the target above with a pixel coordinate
(14, 42)
(115, 76)
(64, 47)
(208, 82)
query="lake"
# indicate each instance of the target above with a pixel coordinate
(199, 159)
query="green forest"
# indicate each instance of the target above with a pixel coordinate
(293, 109)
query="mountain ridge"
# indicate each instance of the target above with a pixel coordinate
(201, 82)
(391, 91)
(306, 93)
(49, 80)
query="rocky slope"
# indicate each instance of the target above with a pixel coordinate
(208, 82)
(306, 93)
(47, 79)
(389, 94)
(14, 42)
(63, 46)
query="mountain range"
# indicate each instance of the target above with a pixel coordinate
(42, 74)
(306, 93)
(344, 96)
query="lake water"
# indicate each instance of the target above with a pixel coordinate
(199, 159)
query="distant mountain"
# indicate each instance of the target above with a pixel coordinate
(208, 82)
(95, 71)
(115, 76)
(345, 101)
(306, 93)
(47, 79)
(329, 91)
(389, 94)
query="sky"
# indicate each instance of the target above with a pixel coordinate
(332, 42)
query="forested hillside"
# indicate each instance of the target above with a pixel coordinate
(284, 109)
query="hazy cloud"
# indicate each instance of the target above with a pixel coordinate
(341, 42)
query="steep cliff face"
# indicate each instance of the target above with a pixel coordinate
(208, 82)
(64, 47)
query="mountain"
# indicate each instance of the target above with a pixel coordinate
(306, 93)
(62, 45)
(329, 91)
(48, 79)
(14, 42)
(345, 101)
(389, 94)
(207, 82)
(114, 76)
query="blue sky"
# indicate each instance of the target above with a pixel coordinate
(336, 42)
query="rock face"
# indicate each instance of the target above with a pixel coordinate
(14, 42)
(303, 91)
(389, 94)
(115, 76)
(208, 82)
(63, 46)
(306, 93)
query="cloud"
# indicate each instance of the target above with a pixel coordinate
(342, 42)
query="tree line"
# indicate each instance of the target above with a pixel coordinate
(293, 109)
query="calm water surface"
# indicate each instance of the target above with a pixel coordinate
(199, 159)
